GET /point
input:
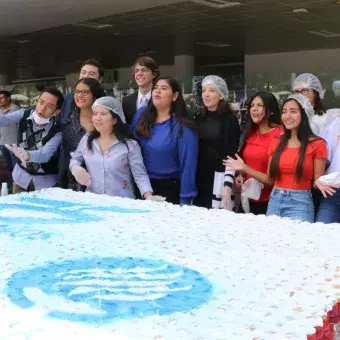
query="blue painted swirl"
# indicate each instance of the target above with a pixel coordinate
(101, 290)
(65, 212)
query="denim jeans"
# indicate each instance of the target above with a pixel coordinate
(294, 204)
(329, 210)
(9, 159)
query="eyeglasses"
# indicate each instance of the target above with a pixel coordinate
(82, 92)
(303, 91)
(141, 70)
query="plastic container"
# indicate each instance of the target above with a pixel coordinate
(4, 189)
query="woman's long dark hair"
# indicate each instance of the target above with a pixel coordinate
(304, 135)
(318, 106)
(94, 86)
(177, 108)
(272, 114)
(119, 129)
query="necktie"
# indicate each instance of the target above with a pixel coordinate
(143, 101)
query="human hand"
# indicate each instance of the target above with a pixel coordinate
(326, 189)
(235, 164)
(155, 198)
(81, 175)
(20, 153)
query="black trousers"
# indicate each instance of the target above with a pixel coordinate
(258, 208)
(316, 194)
(204, 199)
(205, 186)
(168, 188)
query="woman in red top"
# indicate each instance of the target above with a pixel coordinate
(264, 125)
(297, 161)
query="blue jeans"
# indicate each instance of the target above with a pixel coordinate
(9, 159)
(329, 210)
(294, 204)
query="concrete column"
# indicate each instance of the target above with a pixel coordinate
(184, 65)
(184, 60)
(292, 79)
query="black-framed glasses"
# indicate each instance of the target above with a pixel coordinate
(82, 92)
(302, 91)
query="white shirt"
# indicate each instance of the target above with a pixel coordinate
(332, 136)
(139, 98)
(320, 121)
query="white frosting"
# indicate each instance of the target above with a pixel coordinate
(272, 278)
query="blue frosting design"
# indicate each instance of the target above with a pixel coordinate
(21, 226)
(100, 290)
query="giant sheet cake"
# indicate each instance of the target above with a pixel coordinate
(84, 266)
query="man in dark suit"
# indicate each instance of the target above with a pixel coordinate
(145, 70)
(91, 68)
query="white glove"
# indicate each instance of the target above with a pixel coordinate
(20, 153)
(156, 198)
(81, 175)
(226, 198)
(252, 188)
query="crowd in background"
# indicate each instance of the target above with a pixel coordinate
(285, 163)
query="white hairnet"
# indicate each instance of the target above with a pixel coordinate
(307, 106)
(308, 81)
(112, 105)
(219, 83)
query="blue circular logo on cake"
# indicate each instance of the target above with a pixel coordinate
(100, 290)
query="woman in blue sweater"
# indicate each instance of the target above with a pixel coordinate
(169, 144)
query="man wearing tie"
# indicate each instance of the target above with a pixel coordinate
(145, 71)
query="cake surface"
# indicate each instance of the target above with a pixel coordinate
(85, 266)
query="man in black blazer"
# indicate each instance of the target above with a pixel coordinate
(145, 70)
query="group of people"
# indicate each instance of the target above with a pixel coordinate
(147, 147)
(289, 151)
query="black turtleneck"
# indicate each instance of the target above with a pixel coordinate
(219, 136)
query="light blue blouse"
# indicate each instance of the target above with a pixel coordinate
(111, 173)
